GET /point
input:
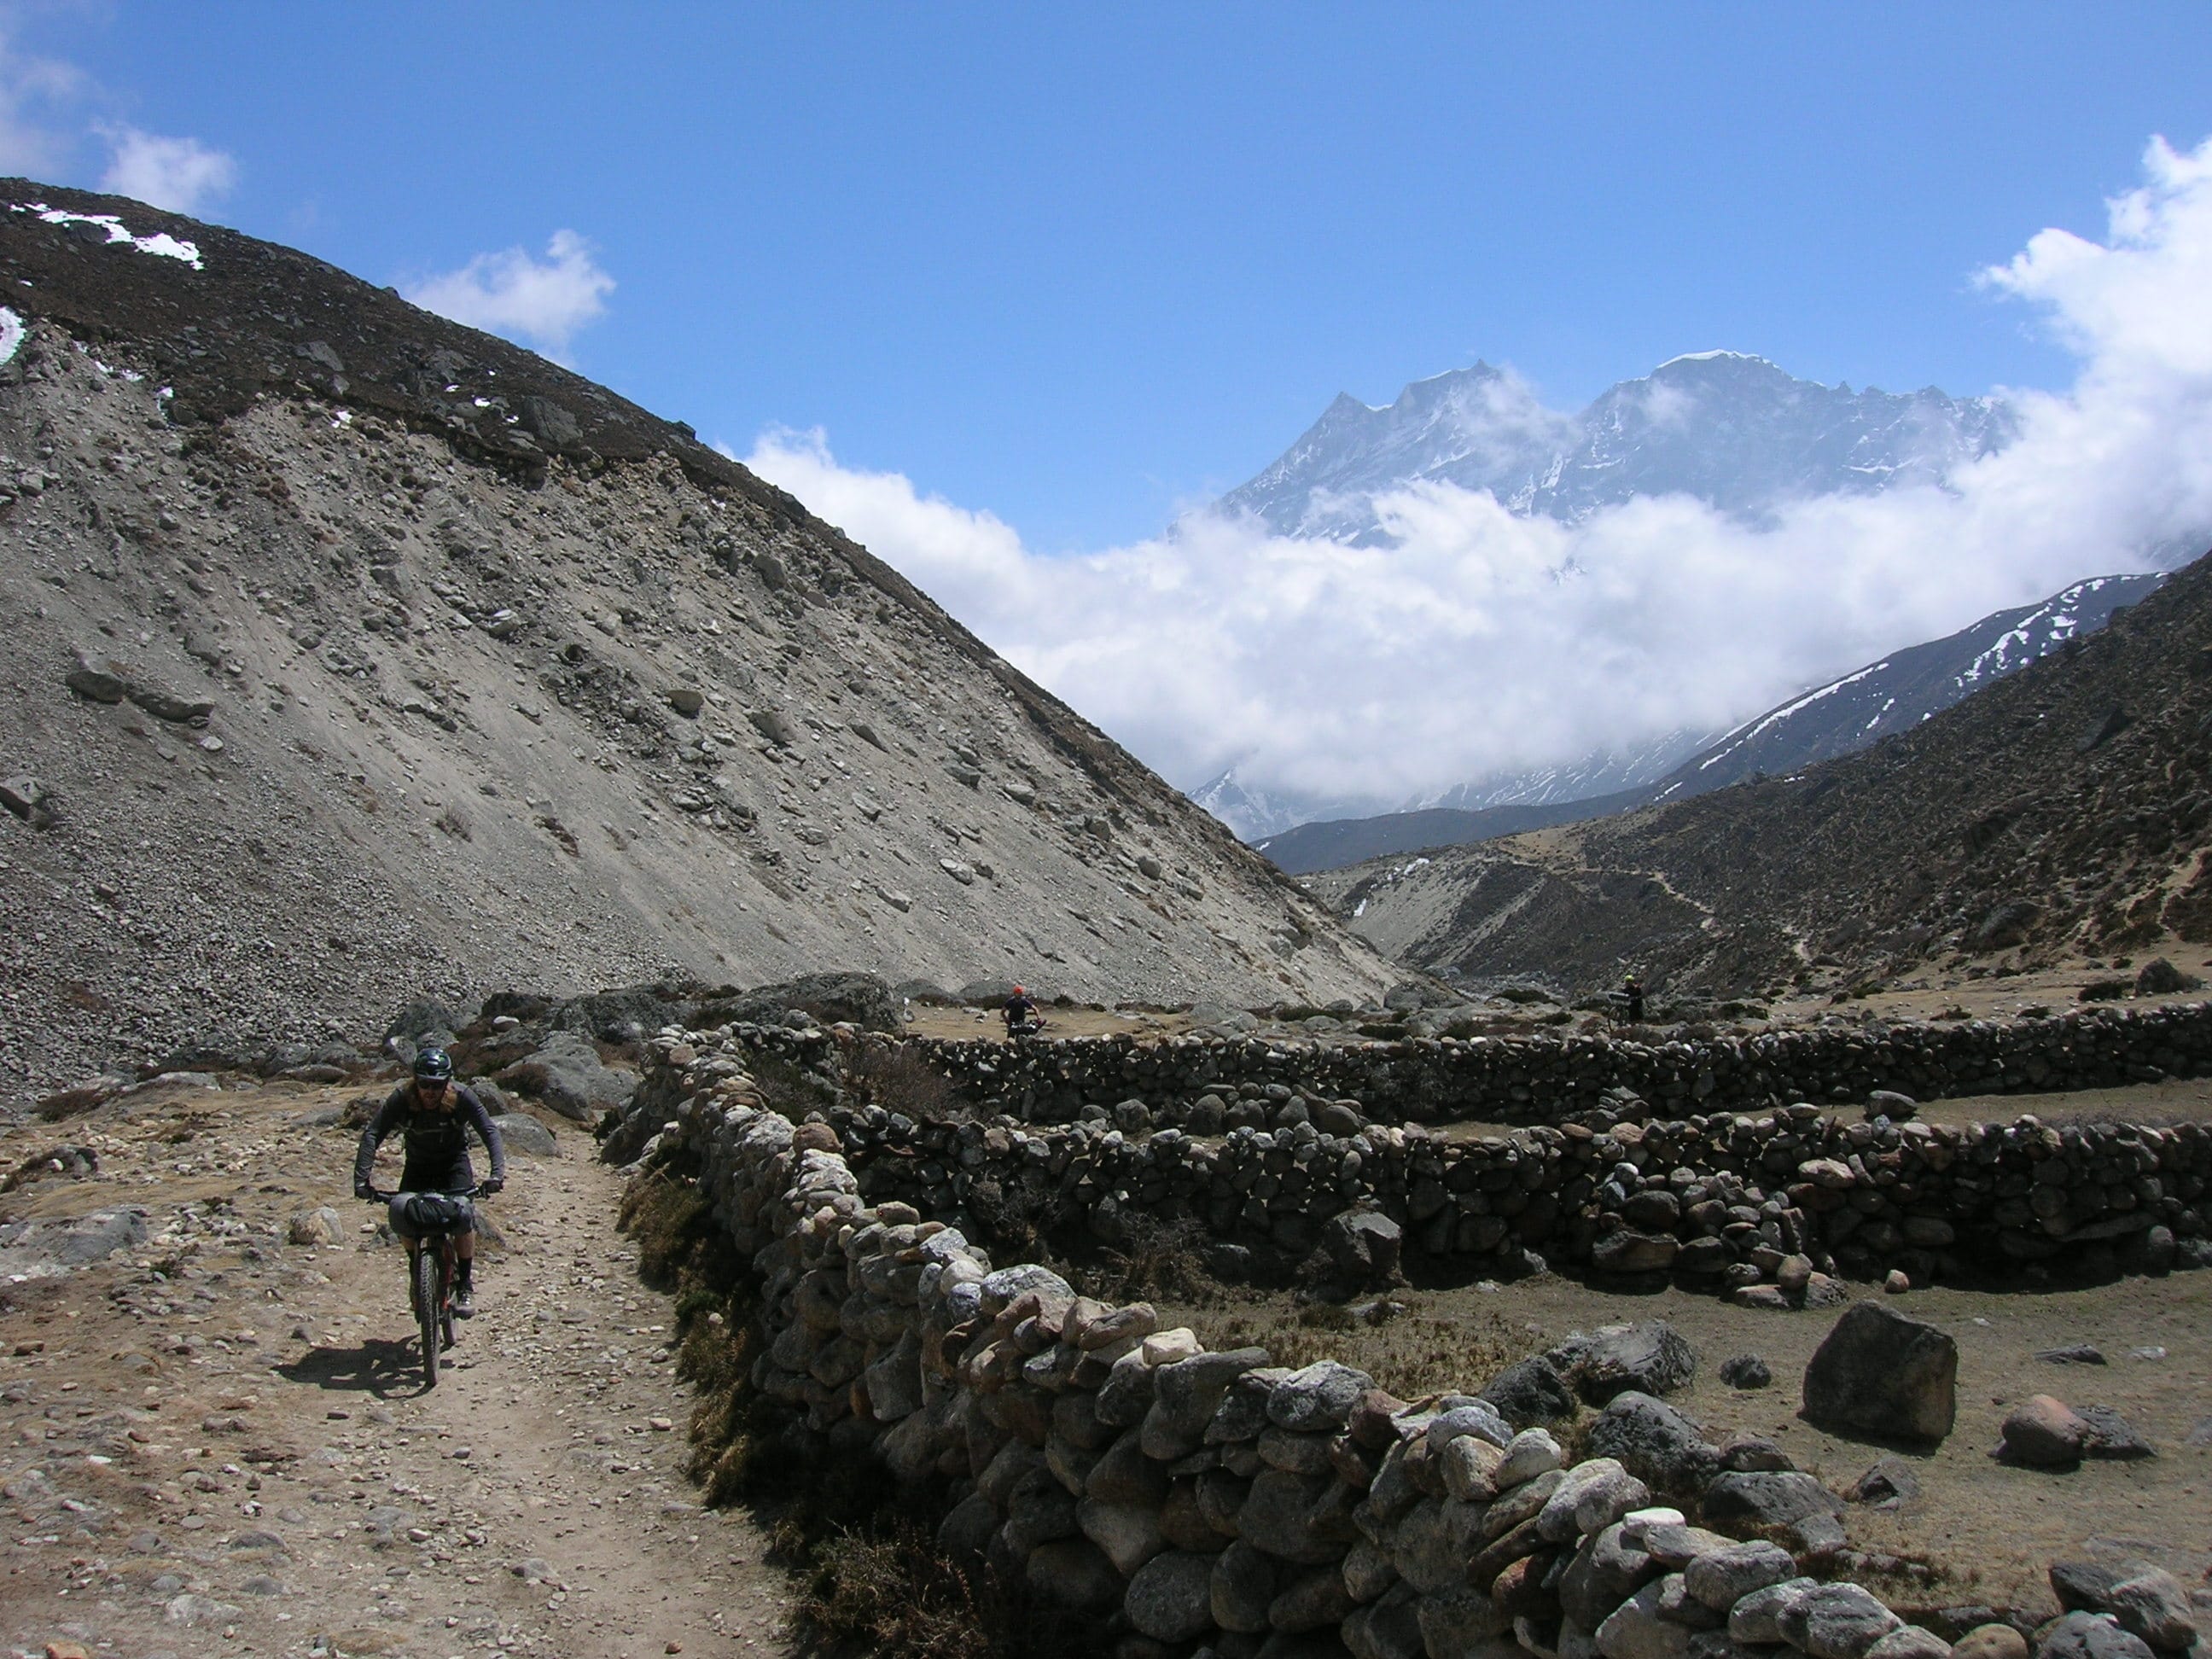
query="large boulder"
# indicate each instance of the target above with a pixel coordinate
(524, 1135)
(420, 1024)
(1656, 1443)
(567, 1075)
(1748, 1503)
(1879, 1373)
(1530, 1392)
(860, 999)
(1651, 1357)
(47, 1247)
(1364, 1246)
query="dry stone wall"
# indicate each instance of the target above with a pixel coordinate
(1768, 1205)
(1728, 1199)
(1538, 1078)
(1216, 1501)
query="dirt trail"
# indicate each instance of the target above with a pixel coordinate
(215, 1440)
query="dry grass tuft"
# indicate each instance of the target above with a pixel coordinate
(1412, 1353)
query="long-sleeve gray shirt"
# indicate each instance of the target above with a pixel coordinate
(437, 1141)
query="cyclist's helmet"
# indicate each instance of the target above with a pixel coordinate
(1019, 992)
(434, 1066)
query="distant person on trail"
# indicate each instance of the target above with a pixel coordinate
(1020, 1013)
(1632, 991)
(433, 1114)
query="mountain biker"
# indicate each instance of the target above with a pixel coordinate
(1020, 1013)
(1632, 991)
(433, 1114)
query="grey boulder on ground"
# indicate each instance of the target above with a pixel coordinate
(44, 1248)
(324, 1225)
(1651, 1357)
(2090, 1635)
(1890, 1484)
(1530, 1392)
(861, 1000)
(1746, 1370)
(567, 1075)
(1880, 1373)
(1363, 1246)
(2152, 1603)
(526, 1135)
(1746, 1502)
(1656, 1443)
(2111, 1435)
(421, 1025)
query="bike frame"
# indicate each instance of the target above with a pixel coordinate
(436, 1246)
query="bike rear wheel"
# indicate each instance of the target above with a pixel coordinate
(426, 1298)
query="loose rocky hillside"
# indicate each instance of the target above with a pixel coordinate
(2060, 813)
(348, 648)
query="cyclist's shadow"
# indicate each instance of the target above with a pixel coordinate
(377, 1366)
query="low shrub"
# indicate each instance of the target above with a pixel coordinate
(894, 1076)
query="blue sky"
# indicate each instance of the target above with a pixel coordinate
(1002, 290)
(1084, 268)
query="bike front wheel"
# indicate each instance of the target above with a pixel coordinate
(426, 1298)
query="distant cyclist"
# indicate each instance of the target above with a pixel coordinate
(433, 1115)
(1020, 1014)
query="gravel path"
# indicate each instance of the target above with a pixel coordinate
(215, 1440)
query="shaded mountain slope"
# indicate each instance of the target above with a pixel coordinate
(348, 655)
(2061, 811)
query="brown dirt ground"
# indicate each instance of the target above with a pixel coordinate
(238, 1457)
(1929, 995)
(953, 1024)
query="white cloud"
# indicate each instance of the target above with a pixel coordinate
(542, 300)
(179, 175)
(44, 130)
(1476, 640)
(35, 141)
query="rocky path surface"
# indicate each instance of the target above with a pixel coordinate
(213, 1438)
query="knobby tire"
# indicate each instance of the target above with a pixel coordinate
(426, 1288)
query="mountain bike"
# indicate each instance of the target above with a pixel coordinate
(438, 1219)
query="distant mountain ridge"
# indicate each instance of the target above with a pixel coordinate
(1891, 695)
(2062, 812)
(1733, 430)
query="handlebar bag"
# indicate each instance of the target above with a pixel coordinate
(437, 1212)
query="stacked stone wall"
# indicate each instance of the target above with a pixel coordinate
(1215, 1500)
(1538, 1078)
(1725, 1198)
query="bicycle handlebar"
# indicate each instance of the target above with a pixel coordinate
(378, 1196)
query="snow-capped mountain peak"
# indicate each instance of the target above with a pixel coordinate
(1730, 428)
